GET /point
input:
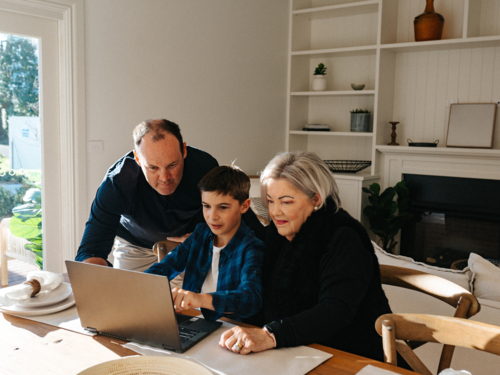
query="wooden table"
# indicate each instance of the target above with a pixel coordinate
(29, 347)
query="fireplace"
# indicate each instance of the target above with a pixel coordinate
(453, 217)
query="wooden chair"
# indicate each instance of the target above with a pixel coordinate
(162, 248)
(395, 328)
(462, 300)
(12, 247)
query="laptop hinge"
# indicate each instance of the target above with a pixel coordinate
(92, 330)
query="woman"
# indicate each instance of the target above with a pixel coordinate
(321, 276)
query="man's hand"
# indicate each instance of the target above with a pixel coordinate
(185, 300)
(96, 260)
(179, 239)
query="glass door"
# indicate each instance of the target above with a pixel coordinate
(30, 136)
(21, 141)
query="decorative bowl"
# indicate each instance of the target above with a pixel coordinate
(347, 166)
(357, 87)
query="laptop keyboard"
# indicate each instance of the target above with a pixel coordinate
(187, 333)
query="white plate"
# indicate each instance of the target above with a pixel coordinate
(147, 364)
(50, 298)
(45, 310)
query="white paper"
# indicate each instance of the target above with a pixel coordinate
(67, 319)
(291, 361)
(372, 370)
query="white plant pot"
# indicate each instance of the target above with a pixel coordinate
(319, 83)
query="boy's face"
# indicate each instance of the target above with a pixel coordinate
(223, 215)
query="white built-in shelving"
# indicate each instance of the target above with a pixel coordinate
(372, 43)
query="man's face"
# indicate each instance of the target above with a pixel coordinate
(162, 162)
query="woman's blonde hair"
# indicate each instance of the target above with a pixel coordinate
(305, 171)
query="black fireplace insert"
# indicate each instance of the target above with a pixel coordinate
(452, 218)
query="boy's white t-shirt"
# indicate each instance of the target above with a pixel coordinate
(210, 284)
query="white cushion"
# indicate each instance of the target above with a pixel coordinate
(462, 278)
(485, 278)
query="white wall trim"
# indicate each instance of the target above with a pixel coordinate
(70, 17)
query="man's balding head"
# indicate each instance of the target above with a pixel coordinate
(157, 130)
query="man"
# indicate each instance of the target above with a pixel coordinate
(148, 195)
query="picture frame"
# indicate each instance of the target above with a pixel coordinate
(471, 125)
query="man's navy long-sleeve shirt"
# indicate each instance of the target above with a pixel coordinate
(127, 206)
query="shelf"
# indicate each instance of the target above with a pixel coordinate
(336, 7)
(333, 93)
(479, 42)
(364, 175)
(350, 51)
(332, 133)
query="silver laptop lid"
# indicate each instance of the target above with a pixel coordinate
(132, 305)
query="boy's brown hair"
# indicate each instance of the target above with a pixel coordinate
(227, 180)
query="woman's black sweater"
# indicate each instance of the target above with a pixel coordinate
(324, 286)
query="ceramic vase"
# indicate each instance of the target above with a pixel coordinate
(428, 25)
(319, 83)
(360, 122)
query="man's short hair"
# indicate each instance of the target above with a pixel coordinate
(159, 128)
(227, 180)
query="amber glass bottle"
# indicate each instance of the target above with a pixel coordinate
(428, 25)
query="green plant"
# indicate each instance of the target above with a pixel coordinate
(386, 216)
(18, 81)
(320, 70)
(27, 223)
(9, 198)
(360, 111)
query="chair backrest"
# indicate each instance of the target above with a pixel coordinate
(462, 300)
(432, 285)
(395, 328)
(162, 248)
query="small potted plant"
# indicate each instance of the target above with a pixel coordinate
(387, 212)
(319, 81)
(360, 120)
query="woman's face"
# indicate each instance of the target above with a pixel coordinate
(288, 207)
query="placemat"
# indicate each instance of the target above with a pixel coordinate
(67, 319)
(291, 361)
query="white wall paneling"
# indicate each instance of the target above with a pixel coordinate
(425, 80)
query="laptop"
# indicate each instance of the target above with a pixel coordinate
(133, 306)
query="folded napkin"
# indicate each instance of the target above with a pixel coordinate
(36, 282)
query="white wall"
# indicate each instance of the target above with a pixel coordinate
(215, 67)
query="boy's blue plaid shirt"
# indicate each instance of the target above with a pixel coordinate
(239, 286)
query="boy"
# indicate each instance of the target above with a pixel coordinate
(222, 257)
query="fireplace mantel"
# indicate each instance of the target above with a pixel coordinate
(446, 151)
(437, 161)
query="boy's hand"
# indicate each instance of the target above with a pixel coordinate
(185, 300)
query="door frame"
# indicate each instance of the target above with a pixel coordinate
(69, 15)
